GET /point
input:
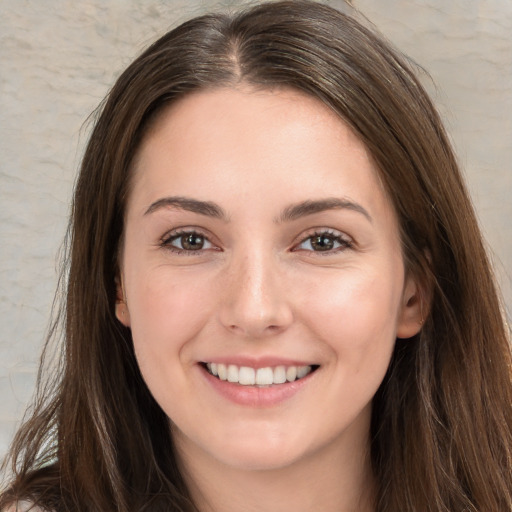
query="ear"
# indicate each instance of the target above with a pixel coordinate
(413, 310)
(122, 311)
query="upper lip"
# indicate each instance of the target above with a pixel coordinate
(258, 362)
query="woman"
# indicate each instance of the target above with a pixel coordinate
(278, 296)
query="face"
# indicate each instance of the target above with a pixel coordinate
(263, 277)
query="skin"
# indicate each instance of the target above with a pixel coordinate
(258, 287)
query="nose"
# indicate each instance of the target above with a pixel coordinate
(255, 302)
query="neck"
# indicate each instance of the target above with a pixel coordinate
(336, 479)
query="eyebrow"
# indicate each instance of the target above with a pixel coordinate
(304, 208)
(290, 213)
(207, 208)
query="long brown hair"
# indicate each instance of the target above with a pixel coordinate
(442, 418)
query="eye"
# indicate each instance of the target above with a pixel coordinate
(187, 241)
(324, 241)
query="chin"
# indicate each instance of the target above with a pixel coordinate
(259, 459)
(267, 451)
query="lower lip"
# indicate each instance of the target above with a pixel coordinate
(255, 396)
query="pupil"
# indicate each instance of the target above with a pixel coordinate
(322, 243)
(192, 242)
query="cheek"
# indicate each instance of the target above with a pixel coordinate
(355, 314)
(166, 311)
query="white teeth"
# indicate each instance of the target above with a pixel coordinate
(264, 376)
(223, 371)
(232, 373)
(247, 376)
(279, 375)
(267, 376)
(302, 371)
(291, 373)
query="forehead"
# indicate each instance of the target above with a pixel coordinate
(280, 143)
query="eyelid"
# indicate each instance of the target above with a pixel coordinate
(165, 240)
(345, 239)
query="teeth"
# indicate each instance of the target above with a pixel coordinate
(264, 376)
(232, 373)
(302, 371)
(267, 376)
(291, 373)
(279, 375)
(247, 376)
(222, 371)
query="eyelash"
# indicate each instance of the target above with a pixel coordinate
(334, 236)
(176, 235)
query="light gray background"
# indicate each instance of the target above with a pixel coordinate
(58, 59)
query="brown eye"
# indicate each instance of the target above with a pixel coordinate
(322, 243)
(325, 242)
(192, 242)
(189, 241)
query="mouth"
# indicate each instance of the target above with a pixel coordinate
(259, 377)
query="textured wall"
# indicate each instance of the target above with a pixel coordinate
(58, 59)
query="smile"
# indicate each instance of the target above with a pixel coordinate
(268, 376)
